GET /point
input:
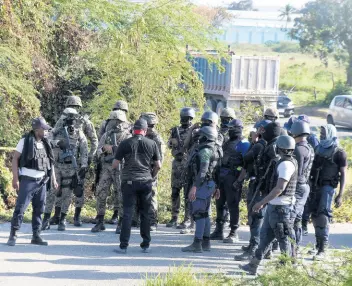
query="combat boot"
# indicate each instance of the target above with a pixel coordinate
(321, 255)
(251, 267)
(100, 224)
(247, 255)
(36, 239)
(46, 222)
(206, 243)
(12, 237)
(172, 222)
(315, 248)
(304, 227)
(118, 227)
(245, 248)
(188, 229)
(94, 220)
(113, 219)
(196, 246)
(218, 233)
(56, 218)
(268, 255)
(77, 217)
(62, 222)
(275, 246)
(232, 237)
(183, 225)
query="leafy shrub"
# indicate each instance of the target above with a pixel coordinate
(340, 89)
(286, 47)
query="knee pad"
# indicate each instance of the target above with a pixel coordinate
(321, 221)
(200, 215)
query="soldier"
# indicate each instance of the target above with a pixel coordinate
(32, 168)
(179, 164)
(226, 115)
(204, 163)
(86, 126)
(271, 114)
(68, 177)
(231, 166)
(304, 154)
(254, 195)
(114, 135)
(328, 171)
(278, 201)
(152, 134)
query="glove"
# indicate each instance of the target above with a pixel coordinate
(62, 144)
(82, 172)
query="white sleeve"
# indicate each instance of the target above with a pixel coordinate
(285, 170)
(19, 147)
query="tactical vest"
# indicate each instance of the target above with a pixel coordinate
(114, 137)
(177, 151)
(232, 158)
(74, 139)
(307, 164)
(290, 189)
(257, 161)
(34, 158)
(329, 170)
(225, 134)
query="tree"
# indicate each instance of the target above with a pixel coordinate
(286, 14)
(217, 16)
(325, 28)
(245, 5)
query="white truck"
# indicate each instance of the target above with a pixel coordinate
(246, 78)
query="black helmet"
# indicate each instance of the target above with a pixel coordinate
(187, 112)
(285, 142)
(235, 123)
(300, 128)
(211, 116)
(210, 132)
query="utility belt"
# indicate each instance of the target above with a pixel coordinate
(22, 177)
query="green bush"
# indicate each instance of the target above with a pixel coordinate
(286, 47)
(340, 89)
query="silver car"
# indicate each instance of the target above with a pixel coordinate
(340, 111)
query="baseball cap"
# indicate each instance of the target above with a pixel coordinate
(140, 124)
(40, 122)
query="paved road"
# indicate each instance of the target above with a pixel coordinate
(79, 257)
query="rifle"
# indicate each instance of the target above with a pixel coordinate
(77, 181)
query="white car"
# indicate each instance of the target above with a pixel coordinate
(340, 111)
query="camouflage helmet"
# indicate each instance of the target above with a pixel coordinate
(228, 112)
(211, 116)
(70, 112)
(121, 105)
(118, 114)
(271, 112)
(210, 132)
(285, 142)
(73, 101)
(187, 112)
(300, 128)
(150, 117)
(235, 124)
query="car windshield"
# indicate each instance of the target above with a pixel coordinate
(284, 100)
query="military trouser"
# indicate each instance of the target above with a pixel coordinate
(178, 178)
(320, 204)
(255, 220)
(276, 225)
(109, 177)
(201, 209)
(301, 195)
(231, 196)
(64, 174)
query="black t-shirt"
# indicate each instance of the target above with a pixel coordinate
(302, 156)
(340, 158)
(138, 152)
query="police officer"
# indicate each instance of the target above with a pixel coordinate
(279, 201)
(328, 171)
(226, 115)
(304, 154)
(138, 153)
(231, 166)
(152, 133)
(254, 195)
(179, 164)
(67, 151)
(108, 144)
(204, 163)
(32, 167)
(271, 114)
(312, 138)
(86, 126)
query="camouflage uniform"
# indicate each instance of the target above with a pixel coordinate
(65, 171)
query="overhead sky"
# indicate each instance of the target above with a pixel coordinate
(257, 3)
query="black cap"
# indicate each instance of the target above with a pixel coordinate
(140, 124)
(40, 122)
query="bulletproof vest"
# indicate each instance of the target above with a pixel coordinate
(114, 137)
(221, 139)
(257, 161)
(307, 163)
(265, 157)
(64, 155)
(178, 151)
(216, 157)
(232, 158)
(290, 189)
(225, 134)
(329, 170)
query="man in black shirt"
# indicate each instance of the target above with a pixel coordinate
(138, 153)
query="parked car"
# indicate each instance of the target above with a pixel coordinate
(285, 106)
(340, 111)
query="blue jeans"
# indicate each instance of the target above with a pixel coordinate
(29, 192)
(321, 208)
(302, 193)
(276, 225)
